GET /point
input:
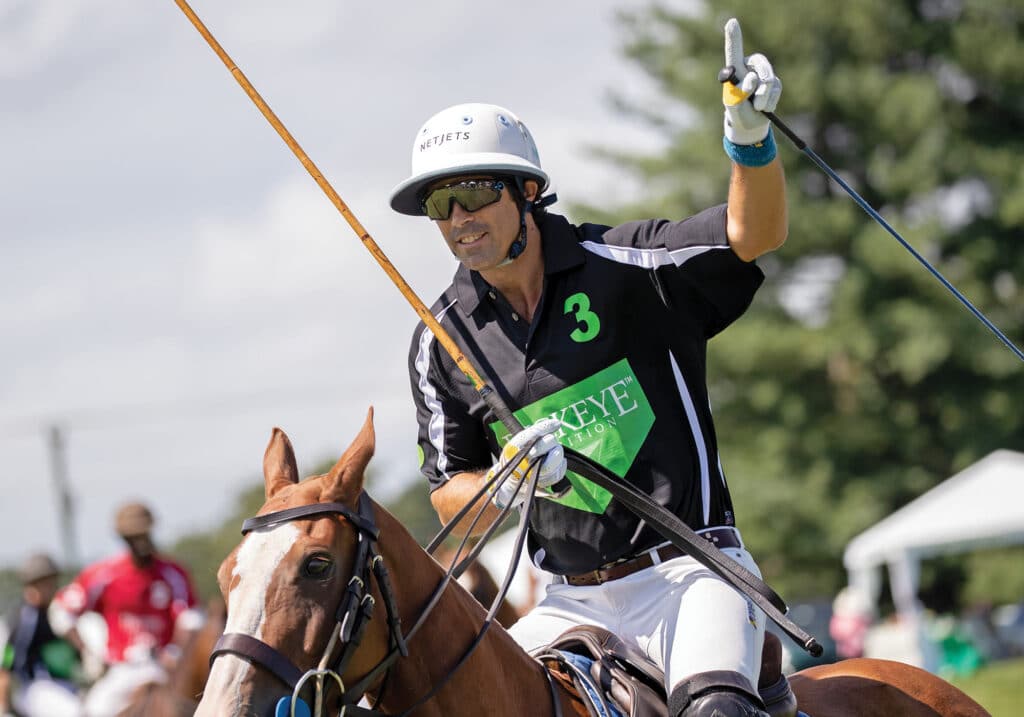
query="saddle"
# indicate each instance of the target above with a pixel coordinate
(627, 680)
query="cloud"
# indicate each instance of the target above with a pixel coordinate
(33, 32)
(280, 254)
(173, 284)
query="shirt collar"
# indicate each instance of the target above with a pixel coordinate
(562, 251)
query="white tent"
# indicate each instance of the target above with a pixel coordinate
(981, 506)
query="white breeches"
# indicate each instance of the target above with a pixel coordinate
(47, 698)
(683, 616)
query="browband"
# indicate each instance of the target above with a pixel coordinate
(305, 511)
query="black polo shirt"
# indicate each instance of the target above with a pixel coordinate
(30, 631)
(616, 350)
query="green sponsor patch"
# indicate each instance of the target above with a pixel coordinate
(606, 417)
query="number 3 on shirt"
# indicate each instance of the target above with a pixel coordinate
(590, 325)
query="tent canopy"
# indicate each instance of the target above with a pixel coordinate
(983, 505)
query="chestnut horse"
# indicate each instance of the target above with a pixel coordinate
(314, 546)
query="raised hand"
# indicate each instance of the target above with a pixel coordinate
(755, 79)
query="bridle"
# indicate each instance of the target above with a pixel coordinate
(356, 607)
(351, 617)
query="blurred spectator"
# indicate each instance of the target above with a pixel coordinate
(958, 656)
(1009, 624)
(148, 604)
(979, 628)
(37, 666)
(852, 615)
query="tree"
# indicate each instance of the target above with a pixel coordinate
(855, 382)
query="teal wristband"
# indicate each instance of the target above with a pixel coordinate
(752, 155)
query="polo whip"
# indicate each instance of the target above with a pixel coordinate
(728, 74)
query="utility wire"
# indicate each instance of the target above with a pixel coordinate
(151, 412)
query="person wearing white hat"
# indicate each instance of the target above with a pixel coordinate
(598, 336)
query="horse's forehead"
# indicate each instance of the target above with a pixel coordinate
(255, 568)
(262, 550)
(305, 492)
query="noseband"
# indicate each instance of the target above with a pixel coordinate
(351, 617)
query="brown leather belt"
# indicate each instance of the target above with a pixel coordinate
(721, 537)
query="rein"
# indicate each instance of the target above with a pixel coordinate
(670, 527)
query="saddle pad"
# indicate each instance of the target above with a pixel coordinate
(581, 667)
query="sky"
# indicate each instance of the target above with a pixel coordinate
(173, 284)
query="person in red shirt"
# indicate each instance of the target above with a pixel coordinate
(149, 607)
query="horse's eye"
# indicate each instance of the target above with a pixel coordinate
(318, 567)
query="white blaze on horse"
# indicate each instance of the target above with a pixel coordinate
(326, 586)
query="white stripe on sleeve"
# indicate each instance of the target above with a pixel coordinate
(648, 258)
(435, 424)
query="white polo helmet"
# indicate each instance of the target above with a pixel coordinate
(465, 139)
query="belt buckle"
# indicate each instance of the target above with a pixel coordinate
(598, 578)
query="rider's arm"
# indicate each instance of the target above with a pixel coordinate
(184, 634)
(756, 219)
(5, 692)
(188, 618)
(449, 498)
(64, 619)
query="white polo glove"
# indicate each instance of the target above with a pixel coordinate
(744, 121)
(552, 464)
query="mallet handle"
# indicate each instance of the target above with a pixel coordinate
(489, 395)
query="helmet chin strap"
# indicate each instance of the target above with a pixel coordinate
(519, 245)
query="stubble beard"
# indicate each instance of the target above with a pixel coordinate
(488, 255)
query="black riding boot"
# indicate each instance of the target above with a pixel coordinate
(720, 693)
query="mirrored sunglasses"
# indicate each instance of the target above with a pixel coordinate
(471, 195)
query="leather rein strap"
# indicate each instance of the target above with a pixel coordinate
(683, 537)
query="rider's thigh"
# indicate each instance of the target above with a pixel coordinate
(689, 620)
(715, 628)
(563, 607)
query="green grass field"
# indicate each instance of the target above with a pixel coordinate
(999, 687)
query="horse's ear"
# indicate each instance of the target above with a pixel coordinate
(279, 467)
(344, 482)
